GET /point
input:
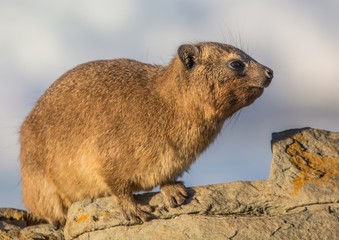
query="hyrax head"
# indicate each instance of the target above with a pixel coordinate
(223, 76)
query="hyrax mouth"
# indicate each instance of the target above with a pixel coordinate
(267, 82)
(262, 83)
(255, 88)
(254, 91)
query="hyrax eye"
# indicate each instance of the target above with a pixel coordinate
(236, 65)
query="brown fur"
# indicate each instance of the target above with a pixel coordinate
(115, 127)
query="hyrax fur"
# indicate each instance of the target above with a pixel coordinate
(114, 127)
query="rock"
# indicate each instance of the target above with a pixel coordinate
(303, 160)
(300, 200)
(18, 224)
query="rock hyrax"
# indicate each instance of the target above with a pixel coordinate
(114, 127)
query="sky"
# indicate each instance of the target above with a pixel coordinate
(299, 40)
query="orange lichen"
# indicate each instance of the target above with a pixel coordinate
(82, 218)
(313, 167)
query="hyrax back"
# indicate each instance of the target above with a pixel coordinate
(115, 127)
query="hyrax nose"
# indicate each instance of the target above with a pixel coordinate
(269, 73)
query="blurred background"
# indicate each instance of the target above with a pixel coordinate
(299, 40)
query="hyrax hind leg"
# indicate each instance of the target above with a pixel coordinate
(41, 198)
(130, 209)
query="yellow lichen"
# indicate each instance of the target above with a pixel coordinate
(313, 167)
(82, 218)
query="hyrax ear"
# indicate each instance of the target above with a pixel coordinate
(188, 55)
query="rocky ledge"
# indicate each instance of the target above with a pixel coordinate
(300, 200)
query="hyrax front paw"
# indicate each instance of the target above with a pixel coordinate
(174, 194)
(135, 213)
